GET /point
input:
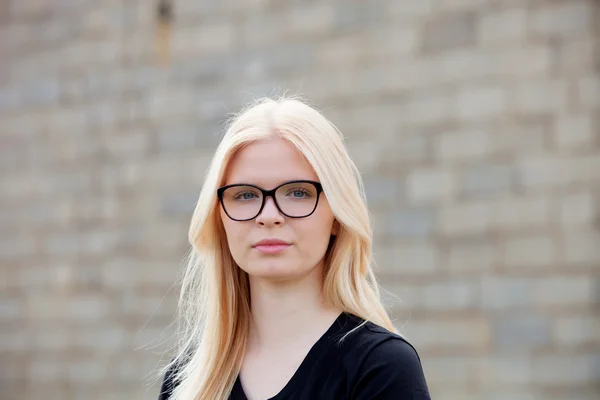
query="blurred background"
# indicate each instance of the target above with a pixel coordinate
(475, 125)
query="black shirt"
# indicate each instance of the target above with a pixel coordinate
(370, 364)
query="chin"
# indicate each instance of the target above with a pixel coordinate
(275, 270)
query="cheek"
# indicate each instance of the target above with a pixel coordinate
(234, 231)
(313, 238)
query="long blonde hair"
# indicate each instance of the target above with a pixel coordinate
(214, 305)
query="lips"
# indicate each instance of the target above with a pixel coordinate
(271, 246)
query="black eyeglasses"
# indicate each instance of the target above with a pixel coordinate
(294, 199)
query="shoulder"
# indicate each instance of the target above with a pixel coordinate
(383, 365)
(391, 347)
(394, 356)
(373, 341)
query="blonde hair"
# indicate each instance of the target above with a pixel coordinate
(214, 309)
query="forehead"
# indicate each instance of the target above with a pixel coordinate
(267, 163)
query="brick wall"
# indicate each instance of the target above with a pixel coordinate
(475, 124)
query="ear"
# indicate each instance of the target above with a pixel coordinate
(335, 228)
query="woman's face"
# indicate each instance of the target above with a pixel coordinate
(267, 164)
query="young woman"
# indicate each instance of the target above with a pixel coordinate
(279, 300)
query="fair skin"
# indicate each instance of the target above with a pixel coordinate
(288, 311)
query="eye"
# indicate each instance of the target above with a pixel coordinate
(299, 193)
(245, 195)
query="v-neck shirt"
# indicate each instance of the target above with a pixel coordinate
(371, 363)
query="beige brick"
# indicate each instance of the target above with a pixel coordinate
(589, 92)
(533, 59)
(13, 341)
(464, 218)
(341, 51)
(148, 305)
(411, 10)
(492, 63)
(578, 208)
(152, 335)
(389, 43)
(130, 273)
(577, 55)
(365, 153)
(448, 31)
(576, 131)
(106, 338)
(10, 308)
(533, 97)
(127, 144)
(353, 121)
(577, 330)
(213, 38)
(410, 74)
(524, 330)
(448, 295)
(56, 275)
(562, 19)
(550, 370)
(39, 307)
(311, 20)
(88, 371)
(506, 293)
(169, 102)
(464, 144)
(382, 190)
(450, 371)
(446, 392)
(194, 10)
(437, 296)
(20, 246)
(501, 27)
(45, 370)
(542, 172)
(535, 251)
(460, 65)
(413, 258)
(471, 255)
(428, 109)
(87, 308)
(582, 247)
(524, 138)
(96, 242)
(173, 168)
(481, 141)
(89, 52)
(429, 334)
(410, 222)
(563, 291)
(413, 147)
(138, 48)
(518, 212)
(52, 338)
(503, 370)
(522, 393)
(432, 185)
(483, 180)
(481, 103)
(454, 5)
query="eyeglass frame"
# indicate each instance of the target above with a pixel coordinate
(269, 193)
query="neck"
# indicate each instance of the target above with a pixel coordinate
(284, 311)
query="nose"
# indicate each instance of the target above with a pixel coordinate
(270, 214)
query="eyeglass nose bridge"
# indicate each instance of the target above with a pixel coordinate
(266, 194)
